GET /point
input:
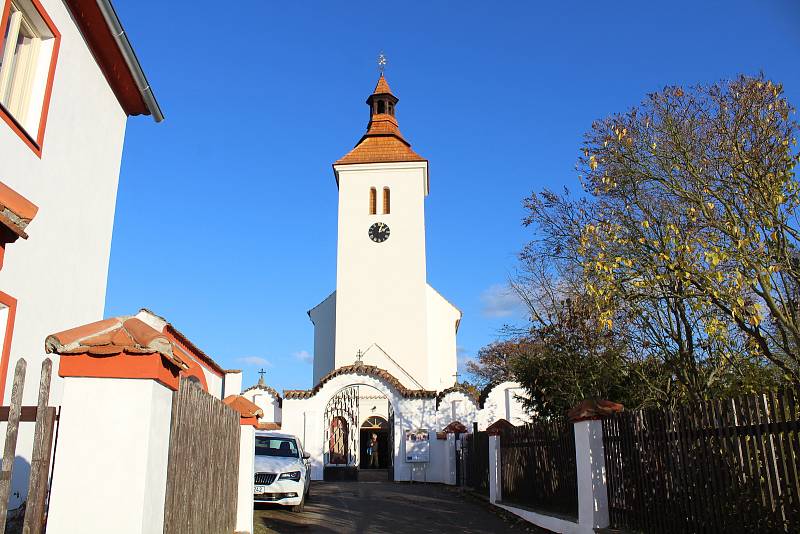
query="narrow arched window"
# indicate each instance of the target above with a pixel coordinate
(373, 201)
(381, 106)
(391, 109)
(386, 201)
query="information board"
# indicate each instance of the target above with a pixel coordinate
(418, 446)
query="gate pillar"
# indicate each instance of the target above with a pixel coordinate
(110, 470)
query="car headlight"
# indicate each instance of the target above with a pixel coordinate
(291, 475)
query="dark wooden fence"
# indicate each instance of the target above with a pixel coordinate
(537, 463)
(718, 466)
(32, 517)
(202, 475)
(476, 461)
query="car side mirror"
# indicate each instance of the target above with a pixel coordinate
(306, 456)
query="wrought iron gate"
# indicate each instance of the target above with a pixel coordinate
(341, 432)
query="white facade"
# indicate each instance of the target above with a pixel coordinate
(323, 316)
(58, 275)
(504, 401)
(457, 406)
(267, 399)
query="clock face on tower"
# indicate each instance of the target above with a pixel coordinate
(379, 232)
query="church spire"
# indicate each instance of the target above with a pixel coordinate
(383, 141)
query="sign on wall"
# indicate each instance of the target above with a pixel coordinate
(418, 446)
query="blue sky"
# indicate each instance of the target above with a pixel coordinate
(226, 212)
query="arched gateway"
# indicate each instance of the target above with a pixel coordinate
(358, 425)
(338, 417)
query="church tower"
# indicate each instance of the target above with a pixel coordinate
(383, 311)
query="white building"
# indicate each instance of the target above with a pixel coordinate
(384, 340)
(67, 86)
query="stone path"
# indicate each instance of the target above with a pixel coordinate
(386, 507)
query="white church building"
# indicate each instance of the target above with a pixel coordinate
(385, 340)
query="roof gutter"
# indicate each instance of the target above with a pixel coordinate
(121, 38)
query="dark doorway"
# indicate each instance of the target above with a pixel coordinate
(380, 428)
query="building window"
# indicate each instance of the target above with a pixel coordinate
(381, 106)
(373, 201)
(28, 49)
(386, 201)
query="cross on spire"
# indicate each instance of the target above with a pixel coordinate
(262, 372)
(457, 376)
(359, 357)
(381, 62)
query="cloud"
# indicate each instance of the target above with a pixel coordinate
(500, 301)
(255, 361)
(304, 356)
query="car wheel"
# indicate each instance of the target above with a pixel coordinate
(299, 507)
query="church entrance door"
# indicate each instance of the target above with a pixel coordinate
(375, 443)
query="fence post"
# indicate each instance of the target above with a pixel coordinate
(495, 473)
(12, 431)
(451, 459)
(590, 461)
(244, 503)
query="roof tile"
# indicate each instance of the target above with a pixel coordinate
(244, 407)
(383, 142)
(108, 337)
(16, 211)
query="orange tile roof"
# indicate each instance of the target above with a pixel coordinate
(499, 426)
(244, 407)
(16, 211)
(365, 370)
(383, 142)
(383, 87)
(456, 427)
(108, 337)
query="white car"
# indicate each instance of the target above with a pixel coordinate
(281, 470)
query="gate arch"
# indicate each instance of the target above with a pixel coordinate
(342, 427)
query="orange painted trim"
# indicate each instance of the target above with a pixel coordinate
(143, 366)
(37, 143)
(200, 357)
(248, 421)
(11, 302)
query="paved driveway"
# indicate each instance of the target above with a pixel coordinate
(386, 507)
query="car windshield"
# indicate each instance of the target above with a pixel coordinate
(274, 446)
